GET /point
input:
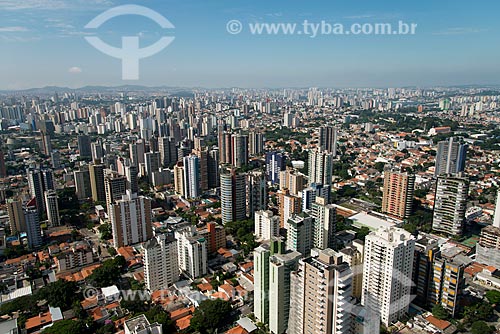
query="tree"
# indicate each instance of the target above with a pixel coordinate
(158, 314)
(112, 251)
(480, 327)
(493, 296)
(210, 315)
(60, 293)
(362, 233)
(440, 312)
(108, 273)
(65, 327)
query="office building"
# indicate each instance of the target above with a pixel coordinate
(450, 204)
(161, 267)
(387, 270)
(320, 167)
(266, 225)
(450, 157)
(233, 196)
(52, 207)
(130, 219)
(320, 295)
(397, 199)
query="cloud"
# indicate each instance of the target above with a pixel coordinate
(75, 70)
(460, 31)
(13, 29)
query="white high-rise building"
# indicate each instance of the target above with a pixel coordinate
(387, 272)
(131, 220)
(192, 252)
(261, 256)
(52, 207)
(161, 266)
(33, 230)
(266, 225)
(281, 265)
(299, 234)
(191, 176)
(320, 295)
(496, 219)
(450, 204)
(320, 167)
(325, 223)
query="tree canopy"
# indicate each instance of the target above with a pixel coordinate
(210, 315)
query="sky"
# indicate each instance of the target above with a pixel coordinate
(456, 43)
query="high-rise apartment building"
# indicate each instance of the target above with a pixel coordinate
(292, 180)
(320, 167)
(84, 146)
(16, 216)
(324, 224)
(161, 268)
(266, 225)
(191, 176)
(320, 295)
(82, 183)
(192, 252)
(96, 173)
(152, 164)
(450, 157)
(168, 151)
(131, 220)
(288, 205)
(52, 206)
(33, 230)
(450, 204)
(256, 189)
(255, 143)
(115, 186)
(233, 196)
(275, 163)
(387, 272)
(299, 234)
(397, 199)
(328, 139)
(353, 256)
(239, 147)
(36, 189)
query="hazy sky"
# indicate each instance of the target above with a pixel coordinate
(456, 42)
